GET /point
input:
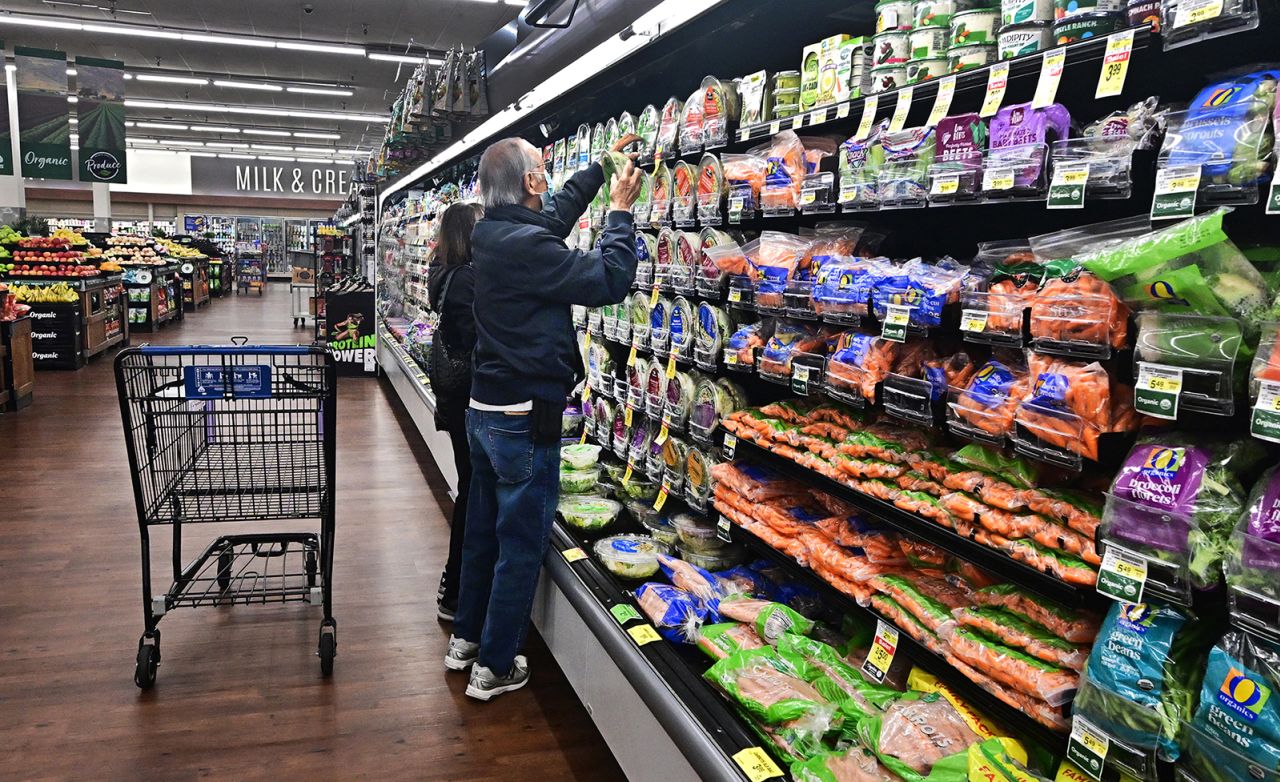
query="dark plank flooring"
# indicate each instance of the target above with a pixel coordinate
(239, 693)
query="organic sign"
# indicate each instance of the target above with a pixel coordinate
(100, 87)
(44, 122)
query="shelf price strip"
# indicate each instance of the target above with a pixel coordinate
(868, 118)
(1115, 65)
(1264, 424)
(1051, 65)
(883, 649)
(942, 103)
(756, 764)
(997, 83)
(1087, 747)
(901, 109)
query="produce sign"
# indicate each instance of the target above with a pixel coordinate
(6, 138)
(44, 124)
(100, 86)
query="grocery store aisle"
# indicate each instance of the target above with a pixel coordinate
(239, 693)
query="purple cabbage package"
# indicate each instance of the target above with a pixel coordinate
(961, 139)
(1014, 129)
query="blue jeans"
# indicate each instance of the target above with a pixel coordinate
(515, 485)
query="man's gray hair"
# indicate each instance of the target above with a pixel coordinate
(502, 169)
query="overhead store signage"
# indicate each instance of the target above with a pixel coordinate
(6, 138)
(222, 176)
(44, 120)
(100, 88)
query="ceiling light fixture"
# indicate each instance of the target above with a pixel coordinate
(236, 157)
(226, 145)
(141, 32)
(181, 142)
(172, 79)
(258, 132)
(314, 160)
(313, 150)
(162, 126)
(324, 48)
(143, 141)
(31, 21)
(262, 111)
(71, 71)
(248, 85)
(309, 134)
(202, 154)
(404, 58)
(213, 129)
(280, 159)
(320, 91)
(263, 43)
(271, 147)
(72, 99)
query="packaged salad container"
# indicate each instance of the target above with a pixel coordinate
(683, 327)
(713, 560)
(647, 130)
(664, 146)
(589, 513)
(697, 533)
(720, 103)
(580, 456)
(630, 556)
(578, 481)
(710, 277)
(690, 134)
(687, 261)
(710, 190)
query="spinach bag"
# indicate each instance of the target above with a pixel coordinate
(1141, 679)
(1235, 735)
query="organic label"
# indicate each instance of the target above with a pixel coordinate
(901, 109)
(573, 554)
(942, 104)
(1087, 747)
(842, 111)
(1196, 11)
(997, 82)
(736, 205)
(945, 184)
(1265, 423)
(1273, 199)
(883, 648)
(643, 634)
(1115, 65)
(757, 765)
(974, 321)
(1067, 188)
(722, 530)
(624, 613)
(868, 118)
(730, 445)
(994, 179)
(1123, 575)
(1051, 64)
(896, 319)
(800, 379)
(1157, 390)
(1175, 192)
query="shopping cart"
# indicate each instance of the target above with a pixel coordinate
(233, 434)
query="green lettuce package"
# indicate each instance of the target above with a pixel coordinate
(1177, 498)
(1235, 735)
(1190, 266)
(1141, 679)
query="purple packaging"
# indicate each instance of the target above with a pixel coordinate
(1262, 530)
(1013, 128)
(962, 138)
(1161, 484)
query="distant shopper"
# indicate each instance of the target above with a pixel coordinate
(526, 363)
(451, 288)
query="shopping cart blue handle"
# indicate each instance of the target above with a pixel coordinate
(223, 350)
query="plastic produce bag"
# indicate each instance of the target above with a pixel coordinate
(784, 172)
(837, 680)
(1021, 632)
(1253, 564)
(1144, 671)
(1071, 405)
(773, 691)
(769, 619)
(1235, 734)
(1075, 626)
(843, 285)
(1080, 309)
(774, 259)
(1227, 131)
(1011, 667)
(675, 613)
(924, 737)
(851, 765)
(859, 362)
(859, 169)
(744, 178)
(788, 340)
(989, 401)
(727, 638)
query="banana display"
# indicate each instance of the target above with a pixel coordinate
(58, 293)
(74, 237)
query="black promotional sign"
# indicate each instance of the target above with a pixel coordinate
(100, 87)
(351, 338)
(44, 120)
(6, 138)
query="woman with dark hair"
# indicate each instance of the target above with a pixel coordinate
(451, 285)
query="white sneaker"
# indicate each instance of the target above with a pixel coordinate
(461, 654)
(485, 685)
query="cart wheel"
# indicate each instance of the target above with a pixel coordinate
(312, 567)
(224, 569)
(144, 672)
(328, 646)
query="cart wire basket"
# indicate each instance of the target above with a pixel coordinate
(238, 433)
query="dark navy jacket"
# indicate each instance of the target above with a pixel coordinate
(526, 280)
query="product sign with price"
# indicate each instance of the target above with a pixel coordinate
(901, 109)
(997, 82)
(1265, 421)
(1051, 65)
(1087, 747)
(973, 321)
(1115, 65)
(896, 319)
(1176, 189)
(1122, 575)
(800, 379)
(757, 765)
(883, 648)
(1067, 188)
(942, 104)
(730, 446)
(1273, 199)
(1157, 390)
(868, 118)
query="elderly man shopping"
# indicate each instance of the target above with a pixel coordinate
(526, 363)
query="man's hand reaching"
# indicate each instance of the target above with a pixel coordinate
(625, 188)
(625, 142)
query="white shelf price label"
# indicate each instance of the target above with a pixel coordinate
(744, 134)
(945, 184)
(1157, 390)
(842, 111)
(997, 83)
(817, 117)
(1273, 199)
(1051, 64)
(800, 379)
(1122, 575)
(998, 179)
(883, 649)
(797, 122)
(868, 118)
(896, 319)
(723, 530)
(775, 127)
(1067, 188)
(730, 446)
(1087, 747)
(942, 104)
(974, 321)
(901, 109)
(809, 196)
(1176, 188)
(1196, 11)
(1265, 422)
(1115, 65)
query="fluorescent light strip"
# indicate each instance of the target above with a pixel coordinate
(309, 134)
(281, 159)
(236, 157)
(143, 141)
(664, 18)
(202, 154)
(261, 111)
(320, 47)
(404, 58)
(171, 79)
(248, 85)
(31, 21)
(320, 91)
(313, 150)
(71, 71)
(141, 32)
(161, 126)
(74, 121)
(226, 145)
(264, 43)
(179, 142)
(260, 132)
(271, 147)
(72, 99)
(313, 160)
(213, 129)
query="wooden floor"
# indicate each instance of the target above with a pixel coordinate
(239, 693)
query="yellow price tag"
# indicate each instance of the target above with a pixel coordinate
(883, 649)
(586, 393)
(817, 117)
(1181, 184)
(631, 357)
(643, 634)
(947, 184)
(997, 83)
(586, 341)
(1073, 176)
(1130, 569)
(671, 366)
(901, 109)
(583, 439)
(1115, 64)
(756, 764)
(1051, 64)
(1169, 384)
(626, 417)
(797, 122)
(842, 111)
(731, 357)
(973, 321)
(661, 499)
(1197, 11)
(868, 118)
(574, 554)
(735, 295)
(663, 434)
(626, 476)
(942, 104)
(653, 297)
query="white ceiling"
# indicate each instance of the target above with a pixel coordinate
(416, 26)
